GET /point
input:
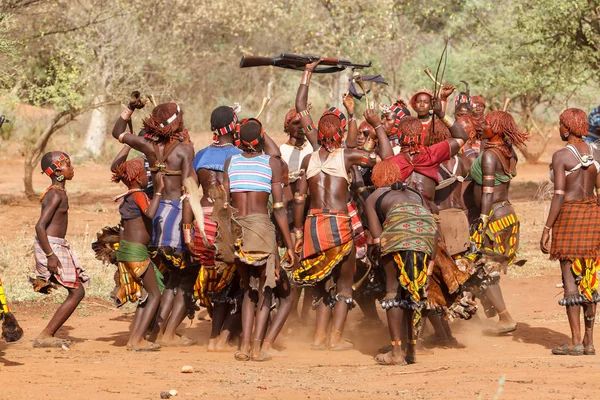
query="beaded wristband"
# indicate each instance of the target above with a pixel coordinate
(448, 121)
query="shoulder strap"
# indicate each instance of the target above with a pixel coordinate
(507, 165)
(378, 206)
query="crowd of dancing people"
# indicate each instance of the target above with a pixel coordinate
(409, 209)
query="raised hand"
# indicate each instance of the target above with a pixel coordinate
(311, 67)
(348, 102)
(436, 106)
(372, 117)
(447, 90)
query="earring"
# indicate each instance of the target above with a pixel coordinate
(60, 178)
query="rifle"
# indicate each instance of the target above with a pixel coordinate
(297, 62)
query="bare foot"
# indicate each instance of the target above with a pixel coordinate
(390, 359)
(501, 328)
(176, 341)
(341, 345)
(143, 345)
(212, 345)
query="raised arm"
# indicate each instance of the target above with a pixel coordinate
(560, 180)
(458, 133)
(271, 148)
(302, 106)
(120, 131)
(120, 158)
(447, 90)
(351, 137)
(384, 148)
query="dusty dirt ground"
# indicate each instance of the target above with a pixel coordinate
(516, 366)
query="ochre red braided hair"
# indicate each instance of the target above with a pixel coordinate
(330, 133)
(576, 121)
(503, 124)
(129, 171)
(365, 126)
(385, 173)
(160, 114)
(411, 128)
(438, 132)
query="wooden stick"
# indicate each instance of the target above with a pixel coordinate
(506, 103)
(151, 97)
(422, 371)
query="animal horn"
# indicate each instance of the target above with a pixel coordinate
(467, 88)
(358, 79)
(430, 75)
(264, 105)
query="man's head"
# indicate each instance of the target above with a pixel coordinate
(391, 116)
(421, 102)
(131, 172)
(331, 129)
(165, 122)
(57, 165)
(478, 106)
(471, 125)
(292, 126)
(385, 173)
(573, 121)
(223, 121)
(251, 135)
(463, 110)
(364, 130)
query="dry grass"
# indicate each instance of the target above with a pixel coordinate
(17, 262)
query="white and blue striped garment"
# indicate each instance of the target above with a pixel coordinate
(167, 225)
(250, 174)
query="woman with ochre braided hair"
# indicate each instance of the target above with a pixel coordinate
(574, 222)
(497, 233)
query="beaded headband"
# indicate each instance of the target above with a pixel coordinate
(55, 164)
(171, 118)
(328, 142)
(229, 128)
(463, 98)
(250, 145)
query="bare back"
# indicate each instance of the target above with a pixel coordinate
(580, 183)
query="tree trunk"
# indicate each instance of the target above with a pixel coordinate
(96, 132)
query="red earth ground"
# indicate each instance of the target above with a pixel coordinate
(99, 367)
